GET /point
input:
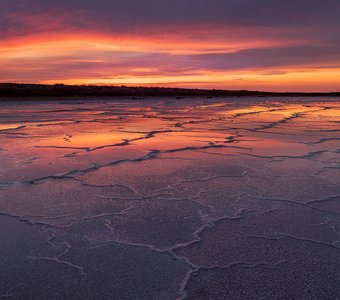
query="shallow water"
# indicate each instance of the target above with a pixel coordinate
(170, 199)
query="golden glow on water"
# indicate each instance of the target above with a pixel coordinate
(134, 129)
(93, 139)
(76, 136)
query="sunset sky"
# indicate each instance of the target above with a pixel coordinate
(272, 45)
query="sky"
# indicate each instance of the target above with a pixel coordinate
(271, 45)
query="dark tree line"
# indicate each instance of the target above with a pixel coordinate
(61, 90)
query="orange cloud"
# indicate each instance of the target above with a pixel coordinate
(171, 60)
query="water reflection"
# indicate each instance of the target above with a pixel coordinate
(202, 190)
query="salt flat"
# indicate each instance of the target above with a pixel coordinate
(170, 199)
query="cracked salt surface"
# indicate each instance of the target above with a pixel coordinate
(170, 199)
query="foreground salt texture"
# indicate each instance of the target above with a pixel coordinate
(170, 199)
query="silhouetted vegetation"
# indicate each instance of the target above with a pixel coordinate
(61, 90)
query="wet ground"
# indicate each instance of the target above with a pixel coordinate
(170, 199)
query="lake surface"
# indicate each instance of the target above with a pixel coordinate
(170, 199)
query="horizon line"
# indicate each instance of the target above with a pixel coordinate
(165, 87)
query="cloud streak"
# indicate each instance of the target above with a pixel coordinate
(193, 42)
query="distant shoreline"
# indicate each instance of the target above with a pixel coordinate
(14, 90)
